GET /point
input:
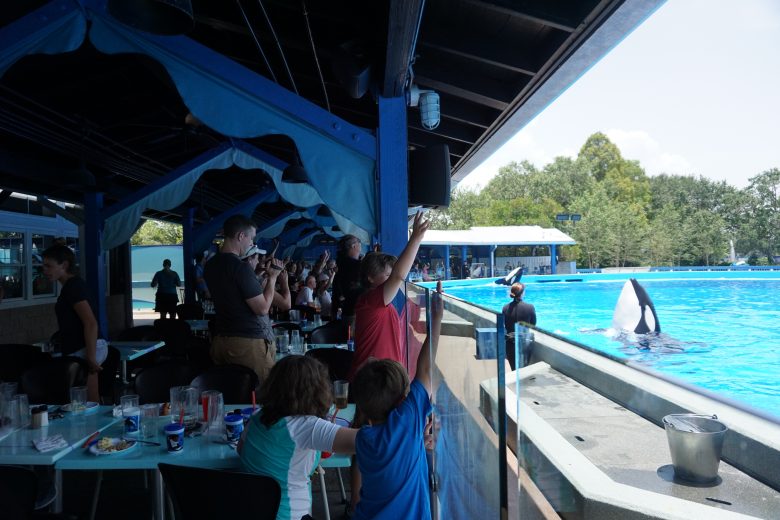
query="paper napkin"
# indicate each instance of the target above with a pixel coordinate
(55, 442)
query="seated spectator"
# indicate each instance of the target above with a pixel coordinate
(306, 294)
(284, 439)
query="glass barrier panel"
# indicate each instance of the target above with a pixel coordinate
(465, 460)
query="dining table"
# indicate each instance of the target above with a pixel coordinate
(129, 350)
(16, 447)
(206, 450)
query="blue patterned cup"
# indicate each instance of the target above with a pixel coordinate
(174, 437)
(234, 426)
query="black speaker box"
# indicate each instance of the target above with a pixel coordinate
(429, 177)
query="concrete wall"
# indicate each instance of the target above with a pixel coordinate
(33, 323)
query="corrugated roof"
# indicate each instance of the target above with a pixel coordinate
(498, 235)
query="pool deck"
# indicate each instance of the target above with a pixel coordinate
(630, 451)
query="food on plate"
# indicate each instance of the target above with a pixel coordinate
(109, 444)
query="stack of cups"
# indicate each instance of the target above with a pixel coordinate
(23, 405)
(184, 398)
(131, 413)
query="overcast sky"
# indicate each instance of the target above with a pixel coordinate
(694, 90)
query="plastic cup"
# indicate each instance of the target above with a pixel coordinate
(247, 413)
(184, 397)
(174, 437)
(78, 399)
(129, 401)
(214, 410)
(132, 419)
(340, 393)
(149, 414)
(24, 410)
(8, 390)
(234, 426)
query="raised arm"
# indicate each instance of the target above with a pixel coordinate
(405, 261)
(261, 304)
(282, 296)
(429, 348)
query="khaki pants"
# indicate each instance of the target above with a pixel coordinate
(257, 354)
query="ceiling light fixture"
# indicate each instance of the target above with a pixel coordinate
(430, 109)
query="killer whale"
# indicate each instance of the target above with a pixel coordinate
(635, 311)
(512, 278)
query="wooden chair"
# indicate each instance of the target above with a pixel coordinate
(209, 493)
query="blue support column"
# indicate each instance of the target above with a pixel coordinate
(493, 259)
(553, 261)
(393, 174)
(463, 258)
(94, 269)
(188, 254)
(447, 272)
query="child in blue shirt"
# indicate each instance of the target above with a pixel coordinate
(390, 450)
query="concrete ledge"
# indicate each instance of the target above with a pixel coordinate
(752, 443)
(579, 485)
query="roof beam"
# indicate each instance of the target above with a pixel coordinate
(491, 52)
(462, 111)
(537, 11)
(481, 91)
(77, 217)
(402, 29)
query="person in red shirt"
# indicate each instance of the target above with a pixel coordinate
(377, 324)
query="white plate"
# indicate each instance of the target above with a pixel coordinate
(91, 406)
(129, 445)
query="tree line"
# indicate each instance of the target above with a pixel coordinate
(627, 217)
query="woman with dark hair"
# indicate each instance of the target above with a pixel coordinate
(516, 311)
(285, 438)
(78, 328)
(166, 299)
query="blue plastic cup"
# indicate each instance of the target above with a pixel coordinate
(234, 426)
(132, 419)
(247, 413)
(174, 437)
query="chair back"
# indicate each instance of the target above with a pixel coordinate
(51, 382)
(210, 493)
(236, 382)
(153, 384)
(175, 334)
(189, 311)
(18, 492)
(107, 377)
(337, 360)
(335, 331)
(15, 359)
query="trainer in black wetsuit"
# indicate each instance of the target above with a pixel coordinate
(516, 311)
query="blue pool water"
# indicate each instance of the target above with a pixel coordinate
(721, 330)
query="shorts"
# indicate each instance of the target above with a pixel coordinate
(101, 352)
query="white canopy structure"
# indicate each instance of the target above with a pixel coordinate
(494, 236)
(498, 235)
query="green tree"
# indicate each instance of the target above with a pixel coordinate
(765, 188)
(510, 183)
(600, 154)
(157, 232)
(664, 243)
(704, 232)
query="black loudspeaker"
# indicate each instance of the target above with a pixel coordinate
(429, 177)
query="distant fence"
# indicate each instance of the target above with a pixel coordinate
(689, 268)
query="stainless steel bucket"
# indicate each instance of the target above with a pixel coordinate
(696, 443)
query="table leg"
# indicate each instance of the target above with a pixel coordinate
(123, 368)
(159, 496)
(324, 492)
(60, 491)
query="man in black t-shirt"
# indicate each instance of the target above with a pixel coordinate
(516, 311)
(346, 283)
(242, 333)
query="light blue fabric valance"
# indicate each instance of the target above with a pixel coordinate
(340, 177)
